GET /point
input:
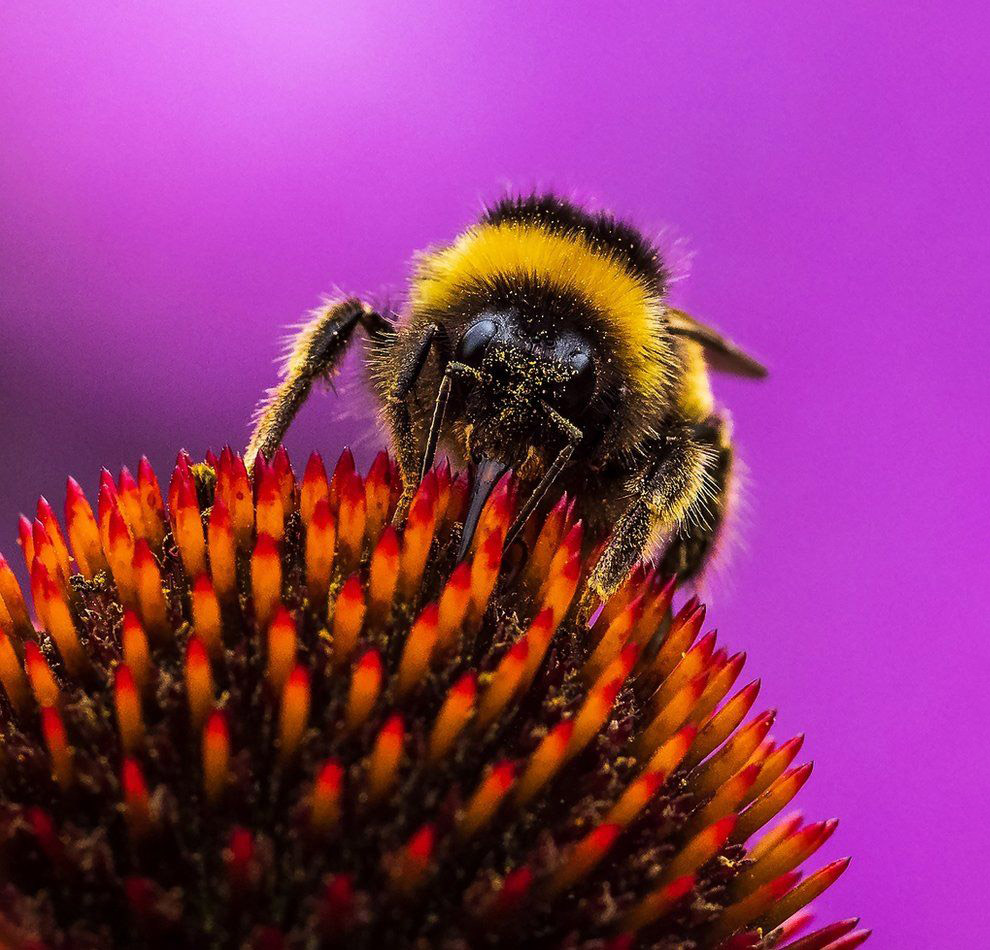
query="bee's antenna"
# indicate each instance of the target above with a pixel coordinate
(439, 409)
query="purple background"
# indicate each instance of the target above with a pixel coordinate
(177, 186)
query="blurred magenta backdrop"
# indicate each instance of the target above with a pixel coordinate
(180, 182)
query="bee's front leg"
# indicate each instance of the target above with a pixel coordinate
(662, 491)
(407, 449)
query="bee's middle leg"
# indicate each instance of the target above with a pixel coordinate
(662, 492)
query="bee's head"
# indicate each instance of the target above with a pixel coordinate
(523, 386)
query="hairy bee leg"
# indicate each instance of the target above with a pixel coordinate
(316, 351)
(407, 452)
(662, 494)
(692, 547)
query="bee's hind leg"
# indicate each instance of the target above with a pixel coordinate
(315, 353)
(672, 480)
(696, 539)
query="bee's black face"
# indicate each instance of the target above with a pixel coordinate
(526, 369)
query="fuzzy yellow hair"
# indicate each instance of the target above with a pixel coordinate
(563, 260)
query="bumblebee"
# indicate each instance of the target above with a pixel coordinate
(540, 340)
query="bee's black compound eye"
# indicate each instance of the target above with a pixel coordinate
(574, 393)
(472, 346)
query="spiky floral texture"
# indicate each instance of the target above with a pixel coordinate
(260, 715)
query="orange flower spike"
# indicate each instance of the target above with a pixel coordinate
(61, 625)
(152, 504)
(342, 473)
(700, 849)
(613, 640)
(6, 621)
(657, 904)
(696, 661)
(418, 649)
(671, 717)
(47, 518)
(592, 715)
(285, 479)
(504, 683)
(565, 570)
(348, 619)
(321, 537)
(315, 488)
(180, 473)
(44, 553)
(281, 649)
(656, 603)
(545, 761)
(220, 543)
(734, 754)
(129, 501)
(137, 802)
(294, 712)
(454, 603)
(216, 756)
(59, 750)
(150, 596)
(127, 705)
(445, 479)
(39, 673)
(583, 857)
(376, 498)
(546, 543)
(12, 677)
(454, 714)
(630, 589)
(383, 762)
(266, 579)
(726, 800)
(199, 682)
(240, 501)
(670, 755)
(786, 855)
(805, 892)
(484, 573)
(39, 576)
(635, 798)
(207, 621)
(137, 656)
(84, 533)
(269, 507)
(189, 536)
(410, 867)
(383, 576)
(837, 936)
(457, 502)
(774, 836)
(13, 598)
(25, 541)
(684, 629)
(538, 638)
(487, 798)
(350, 523)
(774, 766)
(725, 721)
(496, 516)
(725, 671)
(755, 903)
(366, 687)
(777, 797)
(325, 801)
(418, 536)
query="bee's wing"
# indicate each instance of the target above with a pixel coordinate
(720, 353)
